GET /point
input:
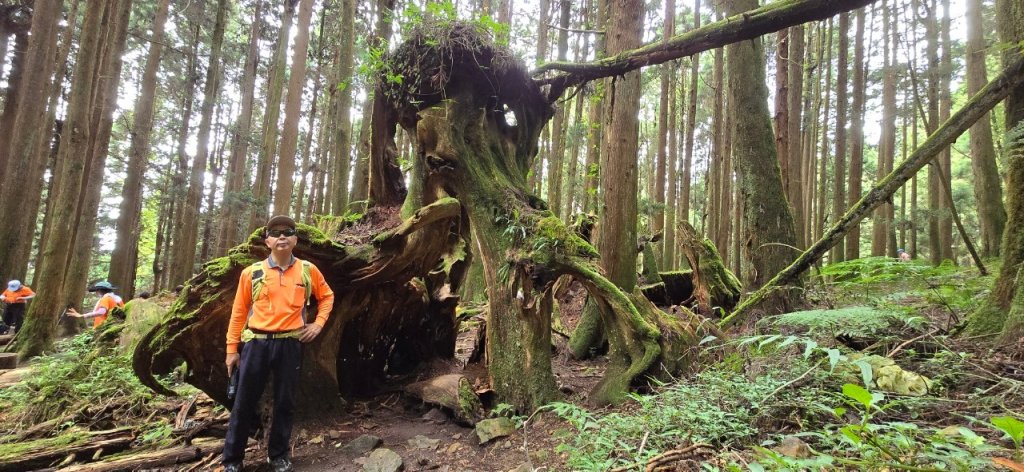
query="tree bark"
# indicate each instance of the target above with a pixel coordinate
(271, 114)
(558, 124)
(1002, 310)
(342, 148)
(768, 223)
(292, 110)
(76, 145)
(1009, 80)
(795, 179)
(184, 246)
(25, 152)
(234, 206)
(838, 253)
(988, 185)
(883, 216)
(856, 133)
(125, 257)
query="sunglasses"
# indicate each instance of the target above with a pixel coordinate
(277, 233)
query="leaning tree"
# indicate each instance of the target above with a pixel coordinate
(476, 114)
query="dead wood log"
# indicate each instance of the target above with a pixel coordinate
(452, 391)
(8, 360)
(773, 17)
(199, 449)
(980, 104)
(43, 453)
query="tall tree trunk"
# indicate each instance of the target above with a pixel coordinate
(29, 134)
(125, 257)
(11, 100)
(988, 185)
(822, 189)
(887, 140)
(361, 173)
(931, 123)
(691, 124)
(535, 178)
(100, 28)
(233, 205)
(292, 110)
(768, 224)
(342, 148)
(838, 252)
(558, 125)
(781, 119)
(184, 245)
(1003, 309)
(658, 223)
(796, 179)
(104, 104)
(619, 175)
(945, 164)
(271, 113)
(577, 138)
(856, 133)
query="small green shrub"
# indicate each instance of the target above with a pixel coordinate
(854, 321)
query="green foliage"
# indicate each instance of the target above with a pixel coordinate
(1013, 428)
(855, 321)
(75, 376)
(718, 407)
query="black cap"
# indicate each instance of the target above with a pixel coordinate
(281, 220)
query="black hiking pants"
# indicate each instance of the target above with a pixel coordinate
(261, 358)
(14, 315)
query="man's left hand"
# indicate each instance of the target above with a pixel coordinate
(309, 332)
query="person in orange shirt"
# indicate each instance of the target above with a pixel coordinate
(107, 302)
(15, 297)
(269, 315)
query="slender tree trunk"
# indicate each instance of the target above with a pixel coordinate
(768, 223)
(125, 257)
(1003, 309)
(781, 121)
(691, 124)
(988, 191)
(361, 174)
(718, 132)
(619, 178)
(292, 112)
(184, 244)
(30, 132)
(234, 205)
(887, 140)
(535, 178)
(856, 133)
(838, 253)
(558, 131)
(795, 168)
(271, 114)
(100, 29)
(658, 223)
(822, 190)
(11, 99)
(945, 164)
(577, 139)
(342, 148)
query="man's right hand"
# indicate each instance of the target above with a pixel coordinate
(231, 361)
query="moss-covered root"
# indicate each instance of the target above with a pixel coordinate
(633, 339)
(589, 332)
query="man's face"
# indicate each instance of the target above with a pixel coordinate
(281, 239)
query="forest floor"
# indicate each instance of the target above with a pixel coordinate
(781, 394)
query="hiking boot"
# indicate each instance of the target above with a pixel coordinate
(232, 467)
(281, 465)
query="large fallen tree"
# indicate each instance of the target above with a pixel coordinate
(476, 115)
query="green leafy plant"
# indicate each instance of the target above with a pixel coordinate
(1013, 428)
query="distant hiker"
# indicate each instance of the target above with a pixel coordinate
(270, 304)
(107, 302)
(904, 256)
(15, 297)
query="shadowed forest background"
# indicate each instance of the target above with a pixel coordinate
(638, 192)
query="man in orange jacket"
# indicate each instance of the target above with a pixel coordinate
(269, 314)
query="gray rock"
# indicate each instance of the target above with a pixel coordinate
(362, 445)
(383, 460)
(487, 430)
(423, 442)
(436, 416)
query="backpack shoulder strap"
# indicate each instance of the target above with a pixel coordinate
(307, 278)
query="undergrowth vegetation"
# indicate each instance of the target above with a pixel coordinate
(873, 379)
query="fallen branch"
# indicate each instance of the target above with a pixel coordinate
(980, 104)
(148, 460)
(52, 451)
(748, 25)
